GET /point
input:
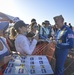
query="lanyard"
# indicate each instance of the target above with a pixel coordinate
(60, 35)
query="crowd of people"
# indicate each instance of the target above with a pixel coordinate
(23, 38)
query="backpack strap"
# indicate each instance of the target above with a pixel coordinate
(43, 31)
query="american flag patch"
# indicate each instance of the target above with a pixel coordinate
(70, 35)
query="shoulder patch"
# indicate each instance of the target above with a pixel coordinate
(70, 35)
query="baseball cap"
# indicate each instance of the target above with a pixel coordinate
(47, 22)
(16, 19)
(4, 25)
(20, 24)
(58, 17)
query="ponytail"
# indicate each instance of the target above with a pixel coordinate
(13, 33)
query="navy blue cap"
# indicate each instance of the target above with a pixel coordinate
(20, 24)
(4, 25)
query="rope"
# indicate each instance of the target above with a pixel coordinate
(41, 48)
(69, 65)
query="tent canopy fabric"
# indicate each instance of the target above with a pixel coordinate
(5, 17)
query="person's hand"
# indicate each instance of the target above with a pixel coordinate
(36, 37)
(7, 58)
(54, 42)
(50, 38)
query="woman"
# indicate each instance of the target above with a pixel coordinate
(42, 47)
(22, 43)
(10, 40)
(4, 49)
(34, 28)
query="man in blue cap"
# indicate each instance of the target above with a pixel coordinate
(64, 41)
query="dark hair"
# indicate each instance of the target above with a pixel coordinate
(16, 27)
(69, 23)
(55, 28)
(43, 23)
(32, 25)
(65, 23)
(33, 20)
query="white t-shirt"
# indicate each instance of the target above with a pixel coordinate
(4, 47)
(23, 45)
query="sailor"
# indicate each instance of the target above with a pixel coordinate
(64, 42)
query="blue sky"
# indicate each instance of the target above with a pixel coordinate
(39, 9)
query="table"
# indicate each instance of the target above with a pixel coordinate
(28, 65)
